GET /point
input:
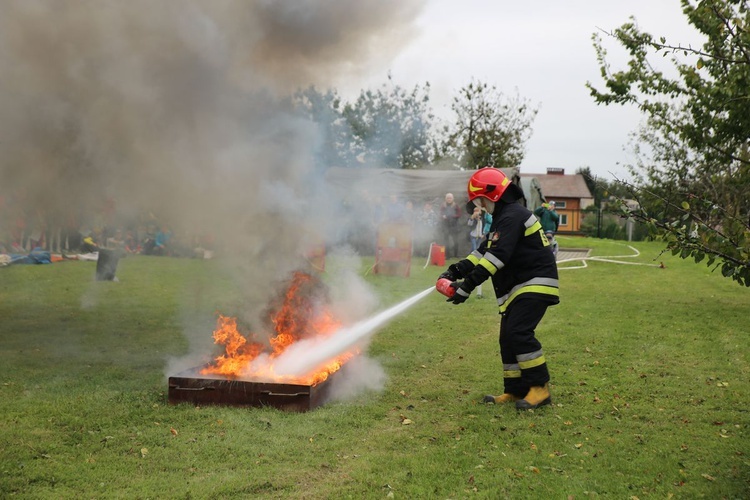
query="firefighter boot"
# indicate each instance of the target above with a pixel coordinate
(537, 396)
(505, 398)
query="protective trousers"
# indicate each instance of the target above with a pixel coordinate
(524, 365)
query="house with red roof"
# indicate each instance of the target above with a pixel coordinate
(570, 194)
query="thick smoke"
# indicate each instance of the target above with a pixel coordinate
(177, 108)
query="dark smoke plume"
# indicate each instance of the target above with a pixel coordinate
(176, 108)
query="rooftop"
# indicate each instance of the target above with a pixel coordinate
(559, 185)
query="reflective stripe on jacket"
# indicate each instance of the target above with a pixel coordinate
(516, 255)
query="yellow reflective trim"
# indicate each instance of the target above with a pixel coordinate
(525, 365)
(546, 290)
(545, 241)
(488, 265)
(473, 259)
(512, 374)
(537, 226)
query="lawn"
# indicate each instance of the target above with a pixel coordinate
(650, 374)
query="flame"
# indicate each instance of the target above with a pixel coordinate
(301, 314)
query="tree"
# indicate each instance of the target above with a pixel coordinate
(603, 189)
(593, 183)
(387, 127)
(325, 108)
(391, 126)
(603, 219)
(489, 128)
(692, 176)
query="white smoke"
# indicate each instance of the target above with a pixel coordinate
(357, 375)
(180, 109)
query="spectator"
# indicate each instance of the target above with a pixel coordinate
(480, 222)
(425, 228)
(449, 229)
(71, 237)
(131, 243)
(377, 212)
(38, 228)
(117, 241)
(427, 217)
(161, 241)
(394, 210)
(548, 217)
(149, 240)
(18, 230)
(88, 244)
(410, 215)
(550, 235)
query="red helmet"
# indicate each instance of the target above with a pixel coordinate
(488, 182)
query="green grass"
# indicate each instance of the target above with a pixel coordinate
(650, 377)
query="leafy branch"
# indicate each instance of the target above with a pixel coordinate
(692, 235)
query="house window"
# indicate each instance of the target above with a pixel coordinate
(563, 219)
(561, 204)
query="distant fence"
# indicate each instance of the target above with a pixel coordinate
(598, 223)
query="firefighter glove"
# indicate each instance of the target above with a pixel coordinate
(451, 274)
(462, 292)
(447, 275)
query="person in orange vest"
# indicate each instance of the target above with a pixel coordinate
(515, 255)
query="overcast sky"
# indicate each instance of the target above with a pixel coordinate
(544, 50)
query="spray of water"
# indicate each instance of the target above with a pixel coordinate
(308, 355)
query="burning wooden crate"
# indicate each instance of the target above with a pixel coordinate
(192, 387)
(245, 374)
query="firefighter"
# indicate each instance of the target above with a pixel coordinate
(516, 255)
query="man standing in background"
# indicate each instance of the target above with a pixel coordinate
(449, 215)
(547, 216)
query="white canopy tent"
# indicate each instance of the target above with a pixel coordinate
(415, 185)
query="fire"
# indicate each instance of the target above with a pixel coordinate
(301, 314)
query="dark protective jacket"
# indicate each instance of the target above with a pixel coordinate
(516, 255)
(549, 219)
